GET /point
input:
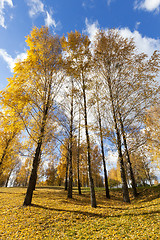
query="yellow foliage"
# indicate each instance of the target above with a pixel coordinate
(96, 162)
(53, 216)
(10, 128)
(153, 132)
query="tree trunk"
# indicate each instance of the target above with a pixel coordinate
(102, 150)
(120, 156)
(70, 185)
(78, 154)
(147, 173)
(33, 177)
(5, 150)
(6, 184)
(91, 183)
(133, 182)
(149, 178)
(36, 160)
(26, 180)
(39, 159)
(67, 165)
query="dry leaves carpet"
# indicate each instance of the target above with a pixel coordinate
(53, 216)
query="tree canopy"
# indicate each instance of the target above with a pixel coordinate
(71, 98)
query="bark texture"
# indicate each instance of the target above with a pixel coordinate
(70, 184)
(91, 183)
(78, 155)
(133, 182)
(36, 160)
(67, 166)
(119, 144)
(103, 157)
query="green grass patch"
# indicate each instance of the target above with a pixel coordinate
(53, 216)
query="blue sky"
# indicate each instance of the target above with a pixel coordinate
(138, 19)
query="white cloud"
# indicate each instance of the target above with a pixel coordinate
(21, 56)
(2, 20)
(49, 21)
(88, 4)
(111, 159)
(109, 2)
(11, 61)
(2, 6)
(7, 58)
(36, 6)
(83, 4)
(91, 29)
(148, 5)
(137, 25)
(143, 43)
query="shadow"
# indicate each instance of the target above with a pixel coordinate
(141, 207)
(51, 187)
(98, 215)
(69, 211)
(13, 193)
(147, 195)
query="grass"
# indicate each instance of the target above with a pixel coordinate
(53, 216)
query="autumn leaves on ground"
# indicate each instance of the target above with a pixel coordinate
(68, 105)
(53, 216)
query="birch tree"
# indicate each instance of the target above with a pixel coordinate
(129, 78)
(78, 55)
(32, 90)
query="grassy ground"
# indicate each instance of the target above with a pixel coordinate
(53, 216)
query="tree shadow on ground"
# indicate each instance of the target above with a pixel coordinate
(149, 194)
(97, 215)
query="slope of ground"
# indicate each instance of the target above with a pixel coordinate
(53, 216)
